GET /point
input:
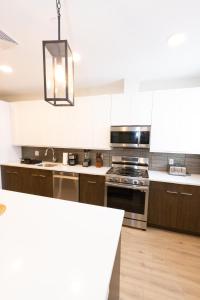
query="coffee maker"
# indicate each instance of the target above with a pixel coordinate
(86, 161)
(72, 159)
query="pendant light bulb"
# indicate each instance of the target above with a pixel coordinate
(59, 73)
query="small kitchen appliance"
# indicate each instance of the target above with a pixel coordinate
(65, 158)
(86, 161)
(30, 161)
(127, 188)
(178, 170)
(130, 136)
(72, 159)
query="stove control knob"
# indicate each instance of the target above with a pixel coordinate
(126, 180)
(113, 179)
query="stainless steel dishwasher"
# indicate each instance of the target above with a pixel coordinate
(66, 186)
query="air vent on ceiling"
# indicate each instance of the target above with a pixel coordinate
(6, 41)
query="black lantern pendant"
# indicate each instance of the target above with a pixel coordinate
(58, 70)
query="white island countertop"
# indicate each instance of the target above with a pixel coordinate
(54, 249)
(91, 170)
(161, 176)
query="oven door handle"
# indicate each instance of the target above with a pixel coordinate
(130, 187)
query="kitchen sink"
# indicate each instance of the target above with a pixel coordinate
(47, 165)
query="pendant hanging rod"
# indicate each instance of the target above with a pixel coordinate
(58, 6)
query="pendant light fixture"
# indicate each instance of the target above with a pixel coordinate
(58, 68)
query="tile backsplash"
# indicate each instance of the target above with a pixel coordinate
(157, 161)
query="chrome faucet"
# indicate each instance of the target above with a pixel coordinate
(53, 153)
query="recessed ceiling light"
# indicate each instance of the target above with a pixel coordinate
(176, 40)
(76, 57)
(6, 69)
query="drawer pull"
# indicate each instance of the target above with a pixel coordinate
(186, 194)
(172, 192)
(90, 181)
(14, 173)
(37, 175)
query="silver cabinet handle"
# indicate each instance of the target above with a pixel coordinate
(37, 175)
(186, 194)
(172, 192)
(90, 181)
(14, 173)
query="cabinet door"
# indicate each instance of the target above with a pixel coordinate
(29, 123)
(41, 183)
(175, 121)
(11, 178)
(121, 111)
(135, 109)
(101, 107)
(188, 217)
(163, 204)
(142, 108)
(92, 189)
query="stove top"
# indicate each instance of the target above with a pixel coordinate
(128, 171)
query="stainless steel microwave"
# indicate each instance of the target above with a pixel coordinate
(130, 136)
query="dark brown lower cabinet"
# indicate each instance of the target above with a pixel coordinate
(174, 206)
(41, 183)
(92, 188)
(27, 180)
(11, 178)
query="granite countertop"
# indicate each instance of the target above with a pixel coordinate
(54, 249)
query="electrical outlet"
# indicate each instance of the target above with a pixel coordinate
(171, 161)
(37, 153)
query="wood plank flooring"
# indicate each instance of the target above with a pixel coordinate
(159, 265)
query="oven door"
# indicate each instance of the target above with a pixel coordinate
(132, 199)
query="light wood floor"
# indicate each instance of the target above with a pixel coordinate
(159, 265)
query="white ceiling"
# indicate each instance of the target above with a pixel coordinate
(116, 39)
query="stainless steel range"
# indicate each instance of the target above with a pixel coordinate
(127, 188)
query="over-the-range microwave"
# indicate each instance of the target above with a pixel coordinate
(130, 136)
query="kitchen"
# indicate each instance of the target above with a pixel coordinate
(132, 146)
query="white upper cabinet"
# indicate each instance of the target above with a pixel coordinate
(121, 111)
(142, 108)
(30, 121)
(101, 122)
(176, 124)
(133, 109)
(85, 125)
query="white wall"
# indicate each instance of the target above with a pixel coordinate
(8, 153)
